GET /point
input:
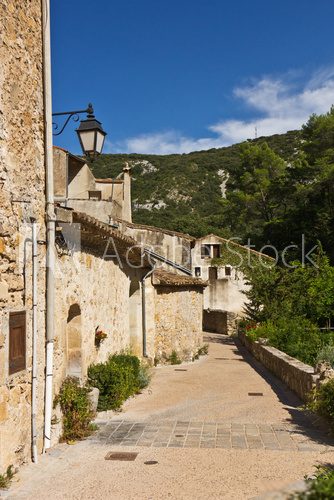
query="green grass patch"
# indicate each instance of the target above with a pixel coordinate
(5, 479)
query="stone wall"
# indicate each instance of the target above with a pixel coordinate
(90, 293)
(219, 322)
(226, 293)
(178, 321)
(99, 209)
(22, 196)
(215, 321)
(298, 376)
(173, 246)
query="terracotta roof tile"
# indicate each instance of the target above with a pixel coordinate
(97, 234)
(161, 277)
(156, 229)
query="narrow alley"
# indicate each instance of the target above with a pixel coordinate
(221, 428)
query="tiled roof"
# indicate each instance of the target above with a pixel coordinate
(109, 181)
(233, 243)
(161, 277)
(97, 234)
(156, 229)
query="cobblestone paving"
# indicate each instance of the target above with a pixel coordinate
(190, 434)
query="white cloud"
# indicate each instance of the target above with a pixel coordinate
(279, 105)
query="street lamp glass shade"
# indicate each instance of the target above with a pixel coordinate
(91, 136)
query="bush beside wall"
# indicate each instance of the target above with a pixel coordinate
(120, 377)
(76, 408)
(322, 401)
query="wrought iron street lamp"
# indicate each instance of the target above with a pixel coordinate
(91, 136)
(90, 132)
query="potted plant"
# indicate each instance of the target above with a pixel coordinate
(100, 336)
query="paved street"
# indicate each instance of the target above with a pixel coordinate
(221, 428)
(193, 434)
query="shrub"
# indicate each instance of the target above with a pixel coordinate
(174, 358)
(202, 351)
(156, 361)
(76, 408)
(144, 376)
(120, 377)
(262, 331)
(242, 324)
(326, 353)
(322, 400)
(5, 479)
(295, 336)
(320, 488)
(245, 325)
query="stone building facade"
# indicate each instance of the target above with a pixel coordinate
(76, 187)
(220, 262)
(173, 303)
(172, 246)
(224, 298)
(177, 315)
(22, 199)
(114, 288)
(98, 271)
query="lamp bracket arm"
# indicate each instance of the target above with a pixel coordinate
(70, 114)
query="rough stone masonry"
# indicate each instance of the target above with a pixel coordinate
(21, 183)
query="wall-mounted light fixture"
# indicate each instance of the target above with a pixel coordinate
(90, 132)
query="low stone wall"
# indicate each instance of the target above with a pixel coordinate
(298, 376)
(218, 321)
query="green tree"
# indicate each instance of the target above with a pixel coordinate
(256, 191)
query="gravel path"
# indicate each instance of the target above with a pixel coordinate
(219, 428)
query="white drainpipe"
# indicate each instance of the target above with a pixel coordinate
(50, 224)
(143, 299)
(34, 343)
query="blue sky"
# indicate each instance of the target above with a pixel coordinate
(177, 76)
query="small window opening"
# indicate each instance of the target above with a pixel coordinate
(95, 195)
(198, 272)
(205, 251)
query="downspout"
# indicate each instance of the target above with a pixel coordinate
(34, 343)
(143, 303)
(50, 223)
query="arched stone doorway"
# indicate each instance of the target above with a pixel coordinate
(73, 339)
